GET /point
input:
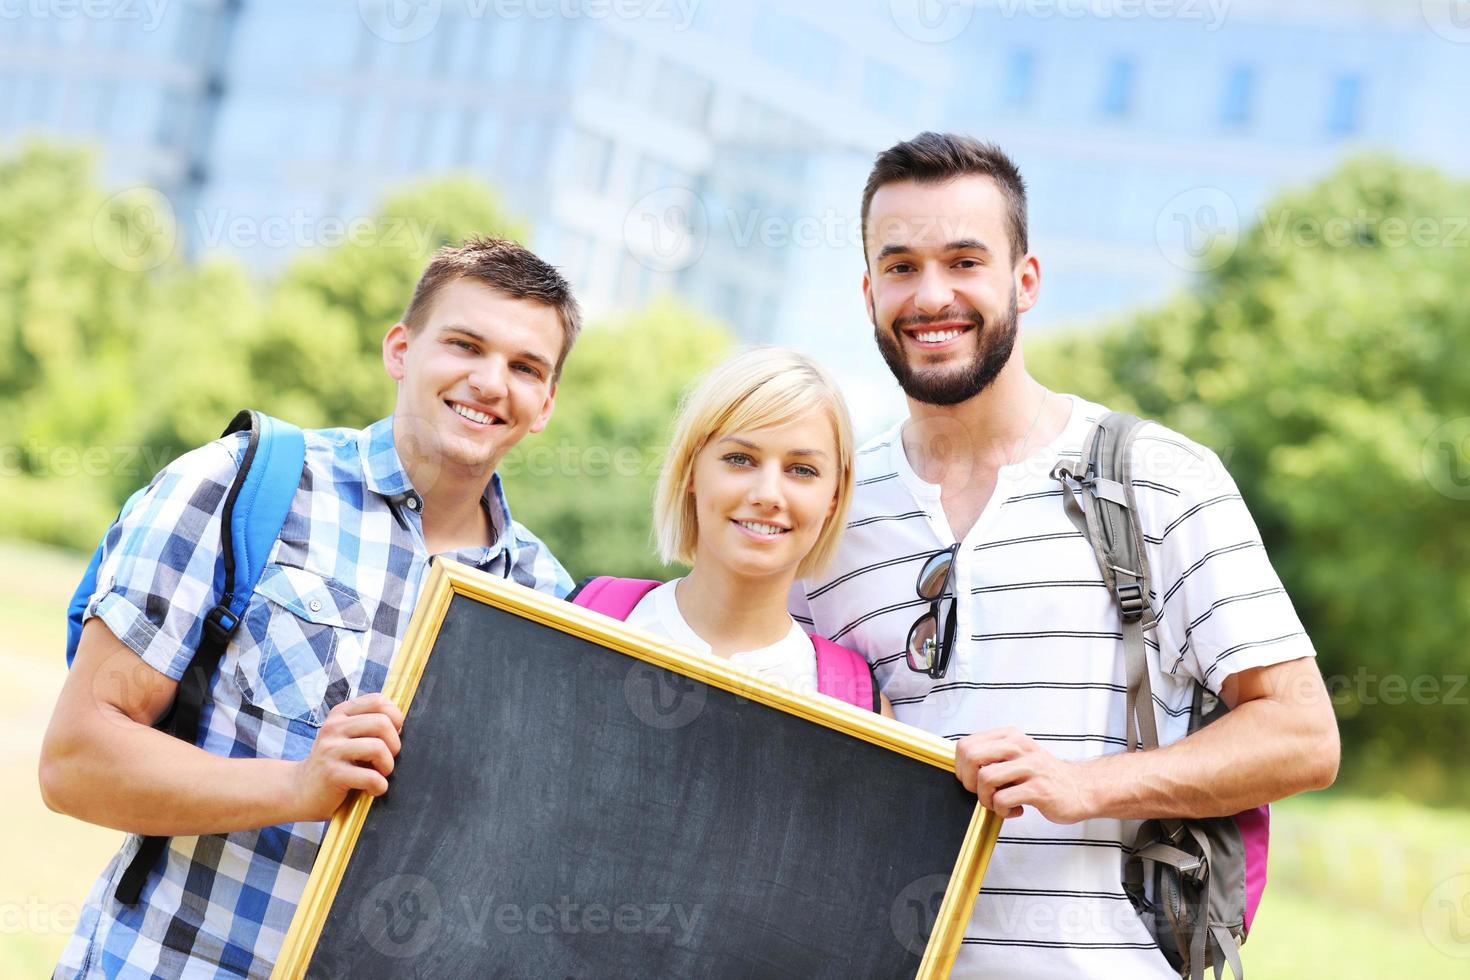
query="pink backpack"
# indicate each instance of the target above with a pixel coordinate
(841, 673)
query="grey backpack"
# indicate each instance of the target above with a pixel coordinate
(1206, 876)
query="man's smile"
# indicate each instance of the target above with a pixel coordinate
(937, 336)
(478, 418)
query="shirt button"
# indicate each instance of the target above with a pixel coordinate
(316, 605)
(413, 503)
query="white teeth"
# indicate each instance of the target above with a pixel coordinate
(937, 336)
(761, 528)
(473, 415)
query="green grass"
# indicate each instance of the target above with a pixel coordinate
(1359, 888)
(49, 861)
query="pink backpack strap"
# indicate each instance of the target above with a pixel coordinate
(613, 597)
(841, 673)
(1255, 835)
(844, 674)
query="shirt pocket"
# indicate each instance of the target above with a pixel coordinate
(309, 634)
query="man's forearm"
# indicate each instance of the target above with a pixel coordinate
(134, 778)
(1263, 750)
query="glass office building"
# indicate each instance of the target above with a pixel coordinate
(717, 149)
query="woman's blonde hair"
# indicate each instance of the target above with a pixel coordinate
(759, 388)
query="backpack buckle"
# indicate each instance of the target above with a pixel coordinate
(1196, 871)
(220, 624)
(1130, 601)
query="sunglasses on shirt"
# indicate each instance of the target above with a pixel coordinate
(931, 638)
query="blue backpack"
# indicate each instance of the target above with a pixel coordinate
(255, 510)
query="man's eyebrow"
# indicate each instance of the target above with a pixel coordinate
(747, 444)
(461, 328)
(535, 358)
(967, 245)
(958, 245)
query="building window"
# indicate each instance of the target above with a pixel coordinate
(889, 91)
(1239, 97)
(611, 65)
(681, 95)
(172, 121)
(589, 158)
(464, 152)
(1117, 90)
(1020, 79)
(572, 252)
(795, 45)
(1345, 106)
(347, 131)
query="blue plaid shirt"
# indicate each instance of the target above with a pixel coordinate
(329, 612)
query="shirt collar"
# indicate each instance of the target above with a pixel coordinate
(381, 467)
(384, 474)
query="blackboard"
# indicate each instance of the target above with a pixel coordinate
(563, 808)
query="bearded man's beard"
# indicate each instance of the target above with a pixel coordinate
(950, 386)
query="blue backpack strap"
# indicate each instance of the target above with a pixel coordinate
(254, 512)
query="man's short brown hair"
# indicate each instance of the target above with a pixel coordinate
(934, 157)
(506, 266)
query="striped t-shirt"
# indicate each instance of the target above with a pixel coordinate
(1039, 647)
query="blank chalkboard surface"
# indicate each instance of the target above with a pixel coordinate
(562, 808)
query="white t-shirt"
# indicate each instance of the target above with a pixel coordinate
(789, 663)
(1038, 647)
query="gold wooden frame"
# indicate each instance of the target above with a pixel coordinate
(447, 579)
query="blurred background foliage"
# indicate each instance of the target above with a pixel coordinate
(1318, 366)
(1319, 360)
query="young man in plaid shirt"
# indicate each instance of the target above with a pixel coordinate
(294, 721)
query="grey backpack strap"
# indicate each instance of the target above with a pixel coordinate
(1099, 499)
(1177, 854)
(1230, 952)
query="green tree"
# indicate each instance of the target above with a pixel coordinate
(585, 485)
(100, 322)
(1324, 361)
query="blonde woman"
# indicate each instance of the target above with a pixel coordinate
(754, 494)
